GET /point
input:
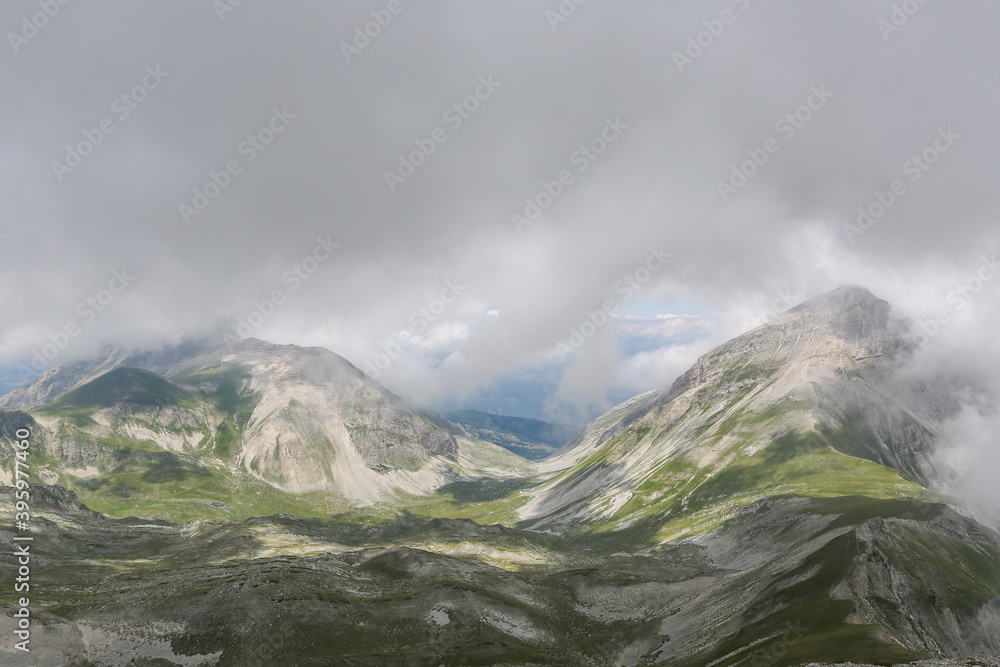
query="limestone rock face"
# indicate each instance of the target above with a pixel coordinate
(321, 423)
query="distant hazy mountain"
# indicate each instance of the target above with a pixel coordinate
(530, 438)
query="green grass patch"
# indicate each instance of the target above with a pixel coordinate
(225, 436)
(227, 388)
(484, 489)
(803, 463)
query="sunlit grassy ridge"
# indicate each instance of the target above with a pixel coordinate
(121, 385)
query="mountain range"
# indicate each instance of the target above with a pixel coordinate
(779, 503)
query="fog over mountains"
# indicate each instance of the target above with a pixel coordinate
(475, 333)
(795, 472)
(222, 93)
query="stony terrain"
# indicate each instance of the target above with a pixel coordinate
(961, 662)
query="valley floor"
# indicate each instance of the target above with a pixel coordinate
(789, 581)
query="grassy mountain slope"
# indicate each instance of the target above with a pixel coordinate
(245, 435)
(803, 405)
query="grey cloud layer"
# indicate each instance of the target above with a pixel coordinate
(263, 121)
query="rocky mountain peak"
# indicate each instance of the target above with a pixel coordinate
(845, 296)
(849, 310)
(828, 332)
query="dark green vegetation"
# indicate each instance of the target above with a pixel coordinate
(11, 421)
(484, 489)
(530, 438)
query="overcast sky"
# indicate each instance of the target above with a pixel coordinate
(628, 123)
